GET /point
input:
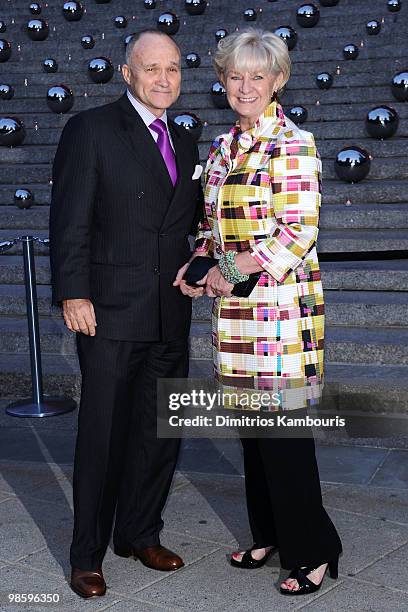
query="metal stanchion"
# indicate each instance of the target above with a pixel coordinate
(39, 405)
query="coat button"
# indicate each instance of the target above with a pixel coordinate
(156, 270)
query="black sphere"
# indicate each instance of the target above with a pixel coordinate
(50, 65)
(298, 114)
(307, 15)
(324, 80)
(394, 6)
(72, 10)
(288, 34)
(350, 52)
(12, 132)
(35, 8)
(38, 29)
(3, 26)
(100, 69)
(352, 164)
(87, 41)
(190, 122)
(23, 198)
(120, 21)
(149, 4)
(6, 92)
(220, 34)
(329, 2)
(5, 50)
(193, 60)
(382, 122)
(60, 99)
(399, 86)
(218, 95)
(195, 7)
(168, 23)
(250, 14)
(373, 27)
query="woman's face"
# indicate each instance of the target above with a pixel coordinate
(250, 93)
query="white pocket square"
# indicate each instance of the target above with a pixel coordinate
(197, 172)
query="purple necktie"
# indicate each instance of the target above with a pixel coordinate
(163, 142)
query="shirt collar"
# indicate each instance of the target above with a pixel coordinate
(268, 125)
(146, 115)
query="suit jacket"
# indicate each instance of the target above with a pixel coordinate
(118, 229)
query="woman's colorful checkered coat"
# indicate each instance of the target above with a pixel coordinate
(267, 200)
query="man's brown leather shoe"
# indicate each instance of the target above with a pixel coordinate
(156, 557)
(87, 583)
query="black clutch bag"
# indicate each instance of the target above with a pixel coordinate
(200, 266)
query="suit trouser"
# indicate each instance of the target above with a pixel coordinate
(284, 500)
(119, 461)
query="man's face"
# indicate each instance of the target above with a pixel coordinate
(153, 73)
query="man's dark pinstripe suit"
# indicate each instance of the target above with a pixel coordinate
(118, 233)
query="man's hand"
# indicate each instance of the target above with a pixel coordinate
(216, 284)
(184, 288)
(79, 316)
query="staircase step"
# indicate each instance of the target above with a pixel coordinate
(390, 275)
(41, 173)
(335, 192)
(357, 345)
(342, 344)
(329, 241)
(381, 389)
(356, 308)
(358, 216)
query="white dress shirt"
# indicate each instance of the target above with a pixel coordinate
(148, 117)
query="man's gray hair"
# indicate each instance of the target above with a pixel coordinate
(136, 36)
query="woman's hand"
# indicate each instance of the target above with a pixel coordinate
(193, 292)
(216, 285)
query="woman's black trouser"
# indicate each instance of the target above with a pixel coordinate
(285, 502)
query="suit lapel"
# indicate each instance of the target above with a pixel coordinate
(140, 142)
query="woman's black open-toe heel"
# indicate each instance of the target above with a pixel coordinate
(306, 585)
(247, 560)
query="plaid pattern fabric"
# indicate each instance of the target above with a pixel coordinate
(267, 200)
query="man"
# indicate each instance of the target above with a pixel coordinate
(126, 194)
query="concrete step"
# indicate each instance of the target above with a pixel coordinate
(329, 130)
(196, 94)
(76, 68)
(356, 308)
(343, 307)
(391, 275)
(357, 216)
(333, 241)
(360, 345)
(323, 112)
(329, 241)
(381, 168)
(379, 389)
(335, 192)
(44, 154)
(217, 7)
(36, 86)
(366, 388)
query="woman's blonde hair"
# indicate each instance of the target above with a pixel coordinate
(252, 50)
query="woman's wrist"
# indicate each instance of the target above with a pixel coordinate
(229, 269)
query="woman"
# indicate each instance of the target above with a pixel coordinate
(262, 201)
